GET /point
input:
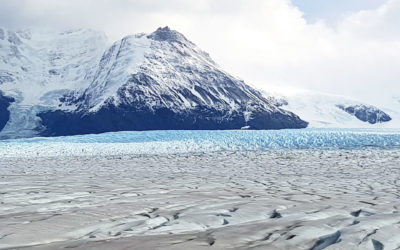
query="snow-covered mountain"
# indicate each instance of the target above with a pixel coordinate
(335, 111)
(38, 67)
(73, 82)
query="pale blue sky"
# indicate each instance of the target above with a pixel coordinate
(333, 10)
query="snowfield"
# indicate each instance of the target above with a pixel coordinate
(220, 195)
(322, 110)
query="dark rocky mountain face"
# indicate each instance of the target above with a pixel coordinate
(4, 113)
(124, 118)
(366, 113)
(142, 82)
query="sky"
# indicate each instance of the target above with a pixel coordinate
(332, 11)
(345, 47)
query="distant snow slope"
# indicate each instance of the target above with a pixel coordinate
(323, 109)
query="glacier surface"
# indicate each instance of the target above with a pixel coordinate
(285, 189)
(277, 199)
(191, 141)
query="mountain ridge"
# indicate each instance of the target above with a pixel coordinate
(77, 85)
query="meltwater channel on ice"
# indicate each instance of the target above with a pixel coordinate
(178, 142)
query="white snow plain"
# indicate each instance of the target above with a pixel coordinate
(286, 197)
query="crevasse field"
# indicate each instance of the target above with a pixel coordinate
(287, 189)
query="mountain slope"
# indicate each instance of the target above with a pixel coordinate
(38, 67)
(334, 111)
(142, 82)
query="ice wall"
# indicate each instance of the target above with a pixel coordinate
(176, 142)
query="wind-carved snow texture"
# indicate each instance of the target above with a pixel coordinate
(74, 83)
(293, 199)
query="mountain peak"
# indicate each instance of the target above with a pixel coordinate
(167, 34)
(153, 82)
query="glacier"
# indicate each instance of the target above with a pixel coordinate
(192, 189)
(199, 141)
(269, 199)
